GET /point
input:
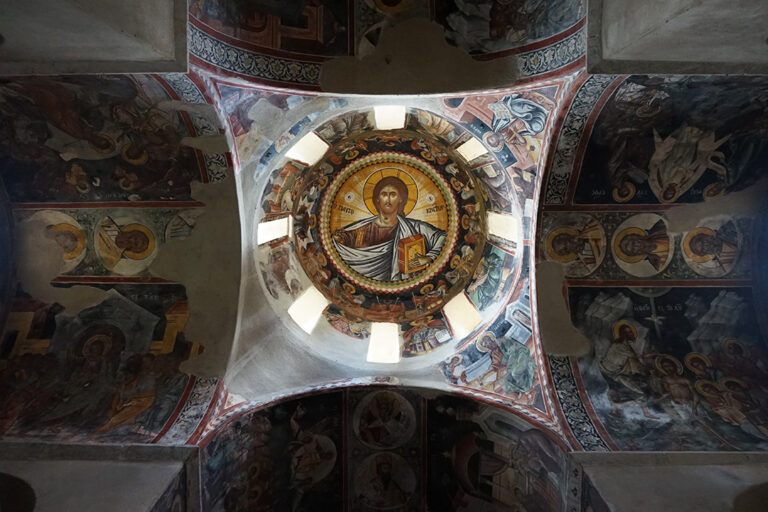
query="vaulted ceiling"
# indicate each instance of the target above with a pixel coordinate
(624, 313)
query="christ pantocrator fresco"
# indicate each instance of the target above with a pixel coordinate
(389, 246)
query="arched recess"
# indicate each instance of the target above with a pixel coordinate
(651, 223)
(115, 332)
(383, 447)
(387, 47)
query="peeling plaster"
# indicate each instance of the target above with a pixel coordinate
(270, 123)
(40, 259)
(207, 263)
(398, 65)
(749, 201)
(211, 144)
(558, 335)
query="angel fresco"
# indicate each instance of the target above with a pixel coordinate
(669, 139)
(680, 159)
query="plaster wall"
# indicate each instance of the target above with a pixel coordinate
(94, 486)
(694, 36)
(393, 67)
(700, 482)
(49, 37)
(151, 21)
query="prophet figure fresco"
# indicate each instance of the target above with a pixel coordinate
(712, 248)
(100, 375)
(384, 420)
(389, 246)
(641, 245)
(578, 243)
(385, 481)
(125, 247)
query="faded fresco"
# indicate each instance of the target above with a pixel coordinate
(676, 139)
(489, 26)
(627, 246)
(674, 368)
(396, 448)
(99, 171)
(286, 457)
(317, 27)
(287, 43)
(94, 138)
(320, 27)
(108, 374)
(386, 450)
(120, 241)
(483, 459)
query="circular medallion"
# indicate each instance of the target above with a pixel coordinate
(381, 220)
(384, 420)
(388, 222)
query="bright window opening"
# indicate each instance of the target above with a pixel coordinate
(308, 309)
(462, 316)
(384, 345)
(309, 150)
(274, 229)
(389, 117)
(502, 226)
(472, 149)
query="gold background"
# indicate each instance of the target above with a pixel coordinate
(345, 212)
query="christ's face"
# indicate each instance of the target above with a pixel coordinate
(389, 200)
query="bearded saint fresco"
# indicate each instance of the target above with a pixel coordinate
(389, 246)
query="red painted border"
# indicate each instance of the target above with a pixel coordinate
(586, 134)
(179, 406)
(195, 437)
(261, 50)
(541, 43)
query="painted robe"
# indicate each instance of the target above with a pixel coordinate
(380, 261)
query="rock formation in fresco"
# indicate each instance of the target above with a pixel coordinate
(675, 368)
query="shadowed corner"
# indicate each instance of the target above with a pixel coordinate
(16, 495)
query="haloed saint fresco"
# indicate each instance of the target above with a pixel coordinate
(674, 368)
(676, 139)
(389, 246)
